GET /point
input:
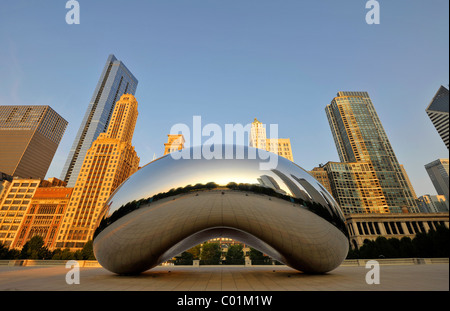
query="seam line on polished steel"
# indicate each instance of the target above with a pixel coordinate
(171, 204)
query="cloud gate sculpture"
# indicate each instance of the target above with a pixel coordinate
(171, 205)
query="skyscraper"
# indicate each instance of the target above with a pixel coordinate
(110, 160)
(321, 175)
(29, 137)
(115, 81)
(437, 110)
(433, 204)
(438, 172)
(280, 146)
(174, 143)
(258, 139)
(408, 182)
(258, 135)
(360, 137)
(354, 185)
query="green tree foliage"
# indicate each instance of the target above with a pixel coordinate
(35, 249)
(87, 253)
(434, 243)
(235, 255)
(210, 254)
(195, 251)
(185, 258)
(5, 253)
(258, 257)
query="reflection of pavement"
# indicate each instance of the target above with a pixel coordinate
(221, 278)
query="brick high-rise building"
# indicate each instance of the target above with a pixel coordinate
(15, 206)
(110, 160)
(16, 201)
(45, 213)
(29, 137)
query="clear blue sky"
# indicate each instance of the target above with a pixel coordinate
(231, 61)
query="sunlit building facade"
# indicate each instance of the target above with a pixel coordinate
(433, 204)
(355, 187)
(360, 138)
(174, 143)
(258, 139)
(363, 227)
(280, 146)
(16, 201)
(114, 81)
(320, 173)
(408, 182)
(45, 213)
(110, 160)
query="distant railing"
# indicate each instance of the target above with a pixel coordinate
(345, 263)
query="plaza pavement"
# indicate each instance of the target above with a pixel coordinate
(423, 277)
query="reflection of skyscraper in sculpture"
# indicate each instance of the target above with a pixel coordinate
(270, 182)
(109, 161)
(295, 189)
(316, 196)
(360, 138)
(115, 80)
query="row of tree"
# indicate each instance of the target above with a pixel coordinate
(212, 254)
(35, 249)
(434, 243)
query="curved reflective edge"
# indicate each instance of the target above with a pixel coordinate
(233, 167)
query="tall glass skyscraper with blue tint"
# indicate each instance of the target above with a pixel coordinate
(115, 81)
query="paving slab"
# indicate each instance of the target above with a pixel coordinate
(427, 277)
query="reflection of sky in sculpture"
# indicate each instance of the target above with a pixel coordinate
(167, 173)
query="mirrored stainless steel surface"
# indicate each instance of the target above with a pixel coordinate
(173, 203)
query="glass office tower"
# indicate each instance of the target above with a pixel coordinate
(438, 172)
(115, 81)
(437, 110)
(360, 137)
(29, 137)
